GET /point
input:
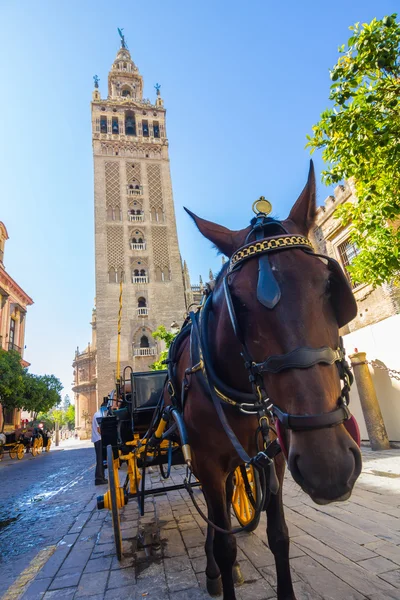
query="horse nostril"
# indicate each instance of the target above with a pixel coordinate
(294, 468)
(357, 463)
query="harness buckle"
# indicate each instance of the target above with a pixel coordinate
(261, 460)
(253, 410)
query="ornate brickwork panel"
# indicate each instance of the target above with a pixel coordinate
(132, 172)
(115, 247)
(160, 250)
(155, 188)
(126, 149)
(113, 192)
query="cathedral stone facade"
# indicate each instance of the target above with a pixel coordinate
(135, 230)
(135, 237)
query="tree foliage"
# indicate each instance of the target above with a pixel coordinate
(168, 337)
(360, 138)
(22, 390)
(70, 416)
(41, 392)
(11, 381)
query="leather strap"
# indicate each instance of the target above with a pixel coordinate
(301, 358)
(308, 422)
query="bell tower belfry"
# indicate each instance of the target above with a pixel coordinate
(135, 229)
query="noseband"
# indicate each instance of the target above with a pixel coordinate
(268, 293)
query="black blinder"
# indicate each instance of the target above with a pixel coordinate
(343, 301)
(268, 290)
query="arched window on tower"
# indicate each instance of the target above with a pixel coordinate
(145, 128)
(103, 124)
(139, 276)
(112, 276)
(142, 307)
(159, 274)
(156, 129)
(115, 127)
(126, 92)
(144, 342)
(130, 124)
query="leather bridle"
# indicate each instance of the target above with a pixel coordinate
(299, 358)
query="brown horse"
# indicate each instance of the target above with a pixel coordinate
(286, 306)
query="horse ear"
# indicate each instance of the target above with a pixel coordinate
(304, 210)
(224, 239)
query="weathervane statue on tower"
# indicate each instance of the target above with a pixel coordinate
(121, 35)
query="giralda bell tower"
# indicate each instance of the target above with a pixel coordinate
(135, 229)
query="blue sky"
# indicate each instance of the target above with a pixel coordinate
(242, 83)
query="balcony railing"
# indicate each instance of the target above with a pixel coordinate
(139, 279)
(136, 246)
(142, 311)
(12, 346)
(136, 217)
(144, 351)
(134, 191)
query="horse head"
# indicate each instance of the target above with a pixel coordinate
(287, 309)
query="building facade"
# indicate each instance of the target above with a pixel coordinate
(333, 239)
(13, 307)
(85, 383)
(135, 230)
(376, 329)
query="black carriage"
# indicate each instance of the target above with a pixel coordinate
(134, 434)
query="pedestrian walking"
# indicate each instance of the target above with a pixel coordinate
(99, 478)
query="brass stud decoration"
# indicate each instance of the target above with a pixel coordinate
(262, 205)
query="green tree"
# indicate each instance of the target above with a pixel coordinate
(34, 391)
(58, 416)
(168, 337)
(70, 416)
(41, 393)
(66, 403)
(360, 138)
(11, 381)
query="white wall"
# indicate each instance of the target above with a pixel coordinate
(381, 342)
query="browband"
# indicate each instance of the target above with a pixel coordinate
(271, 244)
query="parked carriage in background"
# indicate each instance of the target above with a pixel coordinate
(13, 444)
(32, 440)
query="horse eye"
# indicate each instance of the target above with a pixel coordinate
(328, 287)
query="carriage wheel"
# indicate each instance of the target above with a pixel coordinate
(113, 483)
(13, 451)
(40, 444)
(1, 452)
(48, 445)
(34, 448)
(20, 451)
(243, 507)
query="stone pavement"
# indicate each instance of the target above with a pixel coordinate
(344, 551)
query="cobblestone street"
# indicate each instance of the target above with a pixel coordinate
(345, 551)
